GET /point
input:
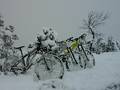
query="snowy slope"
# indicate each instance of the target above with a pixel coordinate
(105, 72)
(104, 76)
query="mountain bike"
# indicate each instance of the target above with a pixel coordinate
(66, 53)
(73, 52)
(47, 63)
(86, 58)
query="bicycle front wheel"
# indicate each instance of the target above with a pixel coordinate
(87, 59)
(91, 58)
(49, 67)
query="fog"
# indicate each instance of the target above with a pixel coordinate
(64, 16)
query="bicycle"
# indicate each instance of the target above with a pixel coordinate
(72, 48)
(66, 53)
(49, 64)
(86, 57)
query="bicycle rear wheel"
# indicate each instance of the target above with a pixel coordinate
(55, 65)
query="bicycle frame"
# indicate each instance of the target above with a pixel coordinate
(75, 44)
(69, 50)
(27, 56)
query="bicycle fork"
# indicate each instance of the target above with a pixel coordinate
(48, 68)
(87, 59)
(70, 50)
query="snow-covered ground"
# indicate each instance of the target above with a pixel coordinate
(104, 76)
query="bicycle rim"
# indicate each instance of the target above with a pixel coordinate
(88, 60)
(55, 65)
(91, 58)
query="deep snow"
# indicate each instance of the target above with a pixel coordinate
(104, 76)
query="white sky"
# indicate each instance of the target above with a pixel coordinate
(65, 16)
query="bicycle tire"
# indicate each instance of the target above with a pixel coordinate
(87, 60)
(55, 65)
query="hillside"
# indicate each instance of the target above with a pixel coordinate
(104, 76)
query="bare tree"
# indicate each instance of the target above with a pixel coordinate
(94, 20)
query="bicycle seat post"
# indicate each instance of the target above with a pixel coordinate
(21, 52)
(20, 48)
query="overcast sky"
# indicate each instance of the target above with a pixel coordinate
(65, 16)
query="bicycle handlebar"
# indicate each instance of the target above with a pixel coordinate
(19, 47)
(80, 37)
(69, 39)
(72, 39)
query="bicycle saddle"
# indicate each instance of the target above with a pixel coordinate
(19, 47)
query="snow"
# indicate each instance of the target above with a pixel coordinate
(106, 71)
(17, 83)
(104, 76)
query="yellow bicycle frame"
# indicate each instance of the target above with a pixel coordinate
(73, 45)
